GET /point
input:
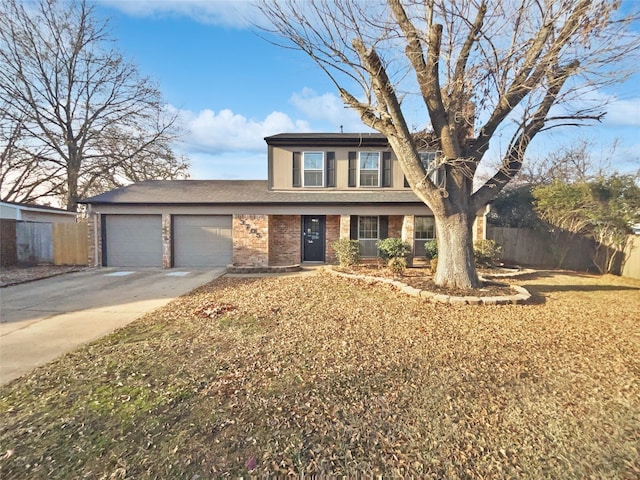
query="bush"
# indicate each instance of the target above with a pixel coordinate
(390, 248)
(487, 252)
(431, 249)
(397, 265)
(347, 251)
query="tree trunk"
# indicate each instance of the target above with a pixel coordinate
(456, 262)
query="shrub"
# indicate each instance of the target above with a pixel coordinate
(347, 251)
(431, 249)
(390, 248)
(397, 265)
(487, 252)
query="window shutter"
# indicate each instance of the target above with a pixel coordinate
(384, 227)
(353, 168)
(353, 235)
(297, 171)
(386, 169)
(331, 169)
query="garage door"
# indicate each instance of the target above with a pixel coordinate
(202, 240)
(134, 240)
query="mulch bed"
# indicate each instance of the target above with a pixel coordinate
(421, 278)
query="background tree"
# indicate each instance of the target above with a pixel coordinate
(476, 69)
(22, 177)
(83, 119)
(575, 163)
(604, 209)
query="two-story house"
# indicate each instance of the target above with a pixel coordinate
(320, 187)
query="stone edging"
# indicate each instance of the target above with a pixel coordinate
(263, 268)
(522, 295)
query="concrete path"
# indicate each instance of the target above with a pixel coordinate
(41, 320)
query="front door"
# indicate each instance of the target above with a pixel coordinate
(313, 238)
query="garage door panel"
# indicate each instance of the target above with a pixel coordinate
(134, 240)
(202, 240)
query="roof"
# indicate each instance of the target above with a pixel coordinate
(241, 192)
(37, 208)
(354, 140)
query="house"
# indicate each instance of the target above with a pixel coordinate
(35, 213)
(26, 232)
(320, 187)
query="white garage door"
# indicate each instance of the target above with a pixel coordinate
(202, 240)
(134, 240)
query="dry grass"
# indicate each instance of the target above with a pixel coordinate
(320, 375)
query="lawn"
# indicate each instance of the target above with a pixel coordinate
(326, 376)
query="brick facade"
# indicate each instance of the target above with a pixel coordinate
(395, 226)
(250, 240)
(284, 239)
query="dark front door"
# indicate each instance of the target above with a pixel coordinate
(313, 238)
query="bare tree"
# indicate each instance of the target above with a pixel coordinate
(23, 178)
(82, 111)
(477, 69)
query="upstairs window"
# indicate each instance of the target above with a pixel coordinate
(429, 161)
(369, 169)
(313, 169)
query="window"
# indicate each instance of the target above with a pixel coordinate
(368, 234)
(369, 169)
(368, 228)
(424, 229)
(313, 169)
(429, 162)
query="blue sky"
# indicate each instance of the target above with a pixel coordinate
(233, 88)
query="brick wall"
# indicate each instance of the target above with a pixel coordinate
(395, 226)
(284, 239)
(250, 239)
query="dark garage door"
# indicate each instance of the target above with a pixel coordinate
(202, 240)
(133, 240)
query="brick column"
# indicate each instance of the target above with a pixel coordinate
(94, 240)
(408, 229)
(167, 235)
(345, 226)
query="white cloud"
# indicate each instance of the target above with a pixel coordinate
(225, 131)
(623, 112)
(228, 165)
(232, 13)
(328, 108)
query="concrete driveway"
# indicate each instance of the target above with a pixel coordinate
(42, 320)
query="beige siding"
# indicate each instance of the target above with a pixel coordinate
(282, 166)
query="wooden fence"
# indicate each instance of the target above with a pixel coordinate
(32, 243)
(70, 243)
(631, 262)
(528, 247)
